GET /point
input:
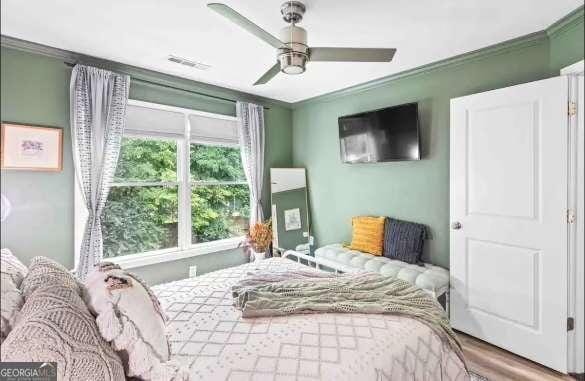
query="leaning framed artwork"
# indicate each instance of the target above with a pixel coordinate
(31, 148)
(292, 219)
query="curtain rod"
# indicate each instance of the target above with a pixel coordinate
(177, 88)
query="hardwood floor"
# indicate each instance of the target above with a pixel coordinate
(497, 364)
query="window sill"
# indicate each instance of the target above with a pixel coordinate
(174, 254)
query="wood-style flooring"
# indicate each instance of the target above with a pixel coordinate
(497, 364)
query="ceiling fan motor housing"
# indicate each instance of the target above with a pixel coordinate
(292, 11)
(293, 56)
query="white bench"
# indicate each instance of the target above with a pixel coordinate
(432, 279)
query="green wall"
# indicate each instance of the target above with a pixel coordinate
(35, 90)
(414, 191)
(566, 41)
(291, 199)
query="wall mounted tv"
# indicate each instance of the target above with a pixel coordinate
(389, 134)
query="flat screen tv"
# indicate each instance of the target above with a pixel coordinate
(389, 134)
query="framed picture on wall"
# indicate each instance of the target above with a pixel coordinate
(31, 148)
(292, 219)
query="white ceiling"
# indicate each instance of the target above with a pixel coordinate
(144, 32)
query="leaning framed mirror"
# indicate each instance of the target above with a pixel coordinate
(290, 212)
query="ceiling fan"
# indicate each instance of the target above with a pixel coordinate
(293, 53)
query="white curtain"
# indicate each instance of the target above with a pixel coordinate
(98, 107)
(251, 136)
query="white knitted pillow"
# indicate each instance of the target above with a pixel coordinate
(130, 318)
(12, 272)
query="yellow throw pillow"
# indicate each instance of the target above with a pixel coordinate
(368, 235)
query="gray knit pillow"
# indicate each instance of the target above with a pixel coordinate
(55, 325)
(44, 272)
(404, 240)
(11, 266)
(12, 272)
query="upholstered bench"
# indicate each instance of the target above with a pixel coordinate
(431, 278)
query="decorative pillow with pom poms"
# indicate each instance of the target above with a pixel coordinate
(130, 317)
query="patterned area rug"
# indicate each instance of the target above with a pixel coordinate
(477, 377)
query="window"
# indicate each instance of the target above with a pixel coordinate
(179, 187)
(220, 199)
(141, 212)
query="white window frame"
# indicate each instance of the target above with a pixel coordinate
(185, 247)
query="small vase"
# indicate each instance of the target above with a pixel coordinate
(258, 255)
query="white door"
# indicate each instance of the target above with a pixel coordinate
(508, 219)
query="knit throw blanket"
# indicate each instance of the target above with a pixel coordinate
(298, 292)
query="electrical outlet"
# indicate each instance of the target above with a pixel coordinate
(305, 234)
(311, 240)
(192, 271)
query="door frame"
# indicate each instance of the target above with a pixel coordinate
(576, 198)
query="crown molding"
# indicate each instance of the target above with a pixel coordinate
(499, 48)
(568, 22)
(198, 89)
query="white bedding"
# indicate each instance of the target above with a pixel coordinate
(209, 336)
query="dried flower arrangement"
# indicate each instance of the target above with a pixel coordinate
(259, 237)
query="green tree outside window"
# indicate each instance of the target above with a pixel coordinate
(141, 212)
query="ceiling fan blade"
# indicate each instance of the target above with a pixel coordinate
(268, 75)
(352, 54)
(243, 22)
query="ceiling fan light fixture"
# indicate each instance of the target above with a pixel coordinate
(292, 62)
(294, 70)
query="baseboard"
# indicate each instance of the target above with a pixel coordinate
(578, 376)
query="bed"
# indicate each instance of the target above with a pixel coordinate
(210, 338)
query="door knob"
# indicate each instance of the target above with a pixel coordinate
(456, 225)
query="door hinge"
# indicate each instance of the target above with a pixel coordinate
(570, 216)
(572, 108)
(570, 324)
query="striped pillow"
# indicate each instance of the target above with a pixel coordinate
(404, 240)
(368, 235)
